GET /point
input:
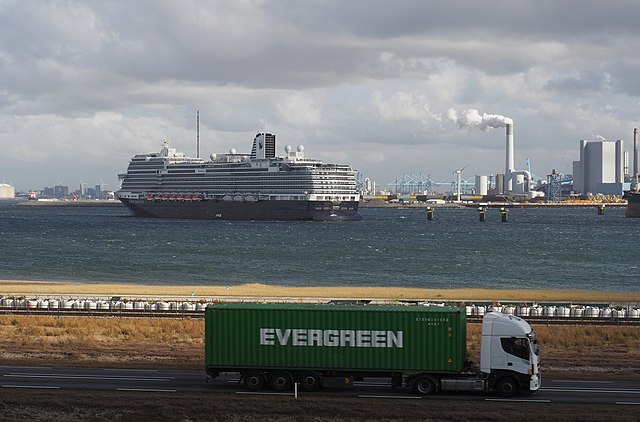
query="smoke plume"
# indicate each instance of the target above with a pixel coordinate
(472, 118)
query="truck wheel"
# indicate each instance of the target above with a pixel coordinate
(424, 386)
(281, 381)
(507, 387)
(310, 381)
(253, 380)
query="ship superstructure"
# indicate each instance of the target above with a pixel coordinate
(233, 186)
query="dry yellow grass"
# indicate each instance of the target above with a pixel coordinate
(261, 290)
(89, 330)
(101, 341)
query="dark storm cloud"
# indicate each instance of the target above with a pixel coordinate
(541, 19)
(581, 83)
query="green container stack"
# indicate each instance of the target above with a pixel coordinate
(366, 338)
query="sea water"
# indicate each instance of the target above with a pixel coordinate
(538, 248)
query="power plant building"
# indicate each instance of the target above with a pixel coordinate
(600, 169)
(515, 182)
(482, 185)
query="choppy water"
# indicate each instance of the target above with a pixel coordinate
(538, 248)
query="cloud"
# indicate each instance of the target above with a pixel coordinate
(300, 109)
(359, 81)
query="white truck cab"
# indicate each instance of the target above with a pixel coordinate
(508, 354)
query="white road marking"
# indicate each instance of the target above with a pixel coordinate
(591, 390)
(521, 400)
(258, 393)
(25, 367)
(130, 370)
(371, 396)
(627, 403)
(88, 377)
(29, 386)
(146, 390)
(581, 381)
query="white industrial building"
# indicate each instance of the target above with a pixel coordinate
(7, 191)
(482, 185)
(600, 169)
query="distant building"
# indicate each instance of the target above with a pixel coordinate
(600, 169)
(482, 185)
(59, 192)
(7, 191)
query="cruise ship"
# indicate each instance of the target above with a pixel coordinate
(256, 186)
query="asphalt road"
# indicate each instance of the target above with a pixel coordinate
(624, 393)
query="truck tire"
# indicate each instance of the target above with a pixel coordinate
(281, 381)
(424, 385)
(310, 381)
(507, 387)
(253, 380)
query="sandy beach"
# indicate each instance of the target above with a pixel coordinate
(17, 287)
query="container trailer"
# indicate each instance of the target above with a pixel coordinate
(421, 347)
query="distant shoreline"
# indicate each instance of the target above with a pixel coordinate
(382, 204)
(69, 204)
(363, 204)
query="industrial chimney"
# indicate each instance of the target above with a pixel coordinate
(509, 166)
(635, 159)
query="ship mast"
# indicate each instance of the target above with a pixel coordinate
(198, 134)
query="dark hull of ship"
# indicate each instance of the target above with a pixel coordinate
(272, 210)
(633, 205)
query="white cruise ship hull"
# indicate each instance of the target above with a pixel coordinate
(274, 210)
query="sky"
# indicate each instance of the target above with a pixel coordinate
(391, 88)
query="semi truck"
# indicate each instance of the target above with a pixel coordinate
(419, 347)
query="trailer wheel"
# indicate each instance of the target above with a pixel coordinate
(254, 380)
(507, 387)
(281, 381)
(310, 381)
(424, 385)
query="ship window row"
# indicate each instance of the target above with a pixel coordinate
(238, 172)
(198, 180)
(258, 186)
(226, 169)
(297, 188)
(145, 167)
(194, 177)
(264, 186)
(253, 186)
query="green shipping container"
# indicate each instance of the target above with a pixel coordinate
(335, 337)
